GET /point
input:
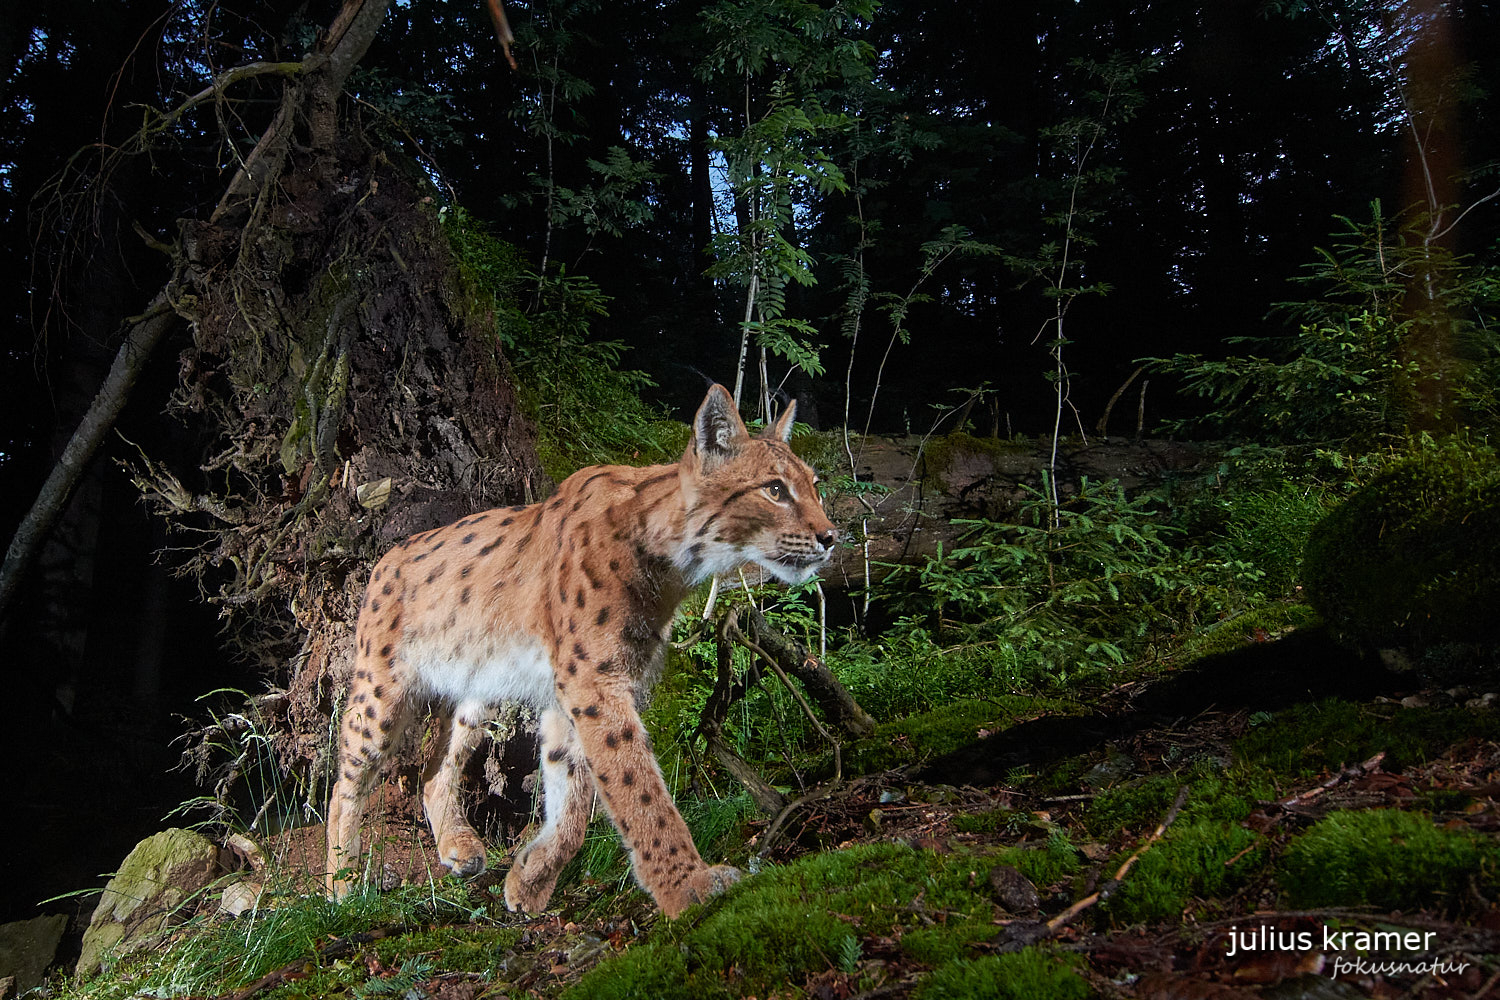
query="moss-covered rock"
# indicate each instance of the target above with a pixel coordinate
(155, 880)
(1411, 561)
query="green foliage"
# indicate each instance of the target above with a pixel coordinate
(212, 957)
(1030, 974)
(1401, 336)
(1412, 560)
(587, 410)
(1068, 592)
(406, 111)
(1388, 859)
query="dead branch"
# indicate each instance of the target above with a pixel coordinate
(1339, 777)
(791, 656)
(1108, 888)
(727, 690)
(146, 331)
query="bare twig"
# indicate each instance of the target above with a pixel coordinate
(1108, 888)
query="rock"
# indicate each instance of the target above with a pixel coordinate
(27, 947)
(240, 896)
(1014, 891)
(144, 898)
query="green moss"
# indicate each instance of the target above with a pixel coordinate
(1046, 865)
(945, 942)
(1247, 629)
(1388, 859)
(944, 453)
(1307, 739)
(989, 821)
(1190, 861)
(940, 731)
(456, 948)
(788, 923)
(1412, 560)
(1031, 974)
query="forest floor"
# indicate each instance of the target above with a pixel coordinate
(1176, 836)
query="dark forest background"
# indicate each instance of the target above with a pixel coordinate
(1197, 155)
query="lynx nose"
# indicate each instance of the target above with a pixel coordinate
(828, 538)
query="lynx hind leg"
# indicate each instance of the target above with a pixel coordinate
(370, 728)
(458, 846)
(568, 802)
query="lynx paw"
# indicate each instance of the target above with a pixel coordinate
(698, 887)
(523, 895)
(463, 852)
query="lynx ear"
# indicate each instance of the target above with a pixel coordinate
(782, 428)
(718, 431)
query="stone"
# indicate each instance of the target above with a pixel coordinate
(1014, 891)
(27, 947)
(146, 897)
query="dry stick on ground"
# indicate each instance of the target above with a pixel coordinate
(335, 948)
(1108, 888)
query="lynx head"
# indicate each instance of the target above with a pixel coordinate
(749, 500)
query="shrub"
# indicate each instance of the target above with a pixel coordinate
(1412, 560)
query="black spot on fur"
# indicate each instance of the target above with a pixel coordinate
(385, 650)
(467, 538)
(487, 549)
(464, 573)
(592, 711)
(463, 598)
(387, 590)
(556, 754)
(602, 616)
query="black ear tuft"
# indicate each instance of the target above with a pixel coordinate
(718, 431)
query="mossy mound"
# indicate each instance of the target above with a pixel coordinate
(814, 917)
(1388, 859)
(1411, 561)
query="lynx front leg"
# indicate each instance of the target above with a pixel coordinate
(458, 846)
(568, 800)
(662, 854)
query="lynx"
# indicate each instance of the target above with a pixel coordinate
(567, 604)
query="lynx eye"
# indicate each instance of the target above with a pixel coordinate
(776, 490)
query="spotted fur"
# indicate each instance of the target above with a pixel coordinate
(567, 604)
